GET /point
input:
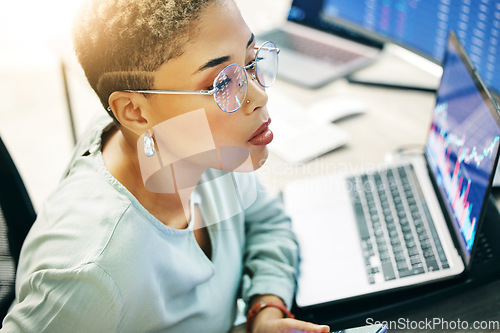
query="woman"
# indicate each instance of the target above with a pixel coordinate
(150, 230)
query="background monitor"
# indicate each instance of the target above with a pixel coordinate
(421, 26)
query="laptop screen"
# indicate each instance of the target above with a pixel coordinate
(463, 143)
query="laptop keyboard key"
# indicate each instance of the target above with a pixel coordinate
(360, 218)
(415, 259)
(412, 251)
(428, 254)
(388, 270)
(404, 273)
(441, 255)
(410, 272)
(431, 264)
(401, 265)
(384, 255)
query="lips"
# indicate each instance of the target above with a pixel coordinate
(263, 135)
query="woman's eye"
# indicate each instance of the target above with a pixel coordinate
(223, 83)
(251, 65)
(252, 60)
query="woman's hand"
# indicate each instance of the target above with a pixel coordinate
(270, 320)
(288, 325)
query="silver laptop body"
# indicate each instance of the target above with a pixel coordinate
(311, 57)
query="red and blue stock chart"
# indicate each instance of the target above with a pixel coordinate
(463, 170)
(462, 146)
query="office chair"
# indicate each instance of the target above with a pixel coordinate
(16, 217)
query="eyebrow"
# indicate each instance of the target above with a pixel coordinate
(217, 61)
(213, 63)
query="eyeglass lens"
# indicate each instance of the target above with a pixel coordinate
(231, 84)
(266, 64)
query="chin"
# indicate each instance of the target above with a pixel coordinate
(240, 159)
(259, 158)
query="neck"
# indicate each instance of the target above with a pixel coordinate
(172, 208)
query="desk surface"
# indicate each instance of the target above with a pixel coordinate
(479, 306)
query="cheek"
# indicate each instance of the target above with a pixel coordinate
(170, 106)
(226, 130)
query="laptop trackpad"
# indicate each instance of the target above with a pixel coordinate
(331, 260)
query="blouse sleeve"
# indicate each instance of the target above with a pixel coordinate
(77, 300)
(271, 250)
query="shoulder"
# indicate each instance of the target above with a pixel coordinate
(86, 197)
(87, 193)
(88, 200)
(87, 189)
(77, 221)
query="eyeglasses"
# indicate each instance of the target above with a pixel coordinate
(231, 84)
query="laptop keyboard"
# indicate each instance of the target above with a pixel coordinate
(311, 47)
(398, 236)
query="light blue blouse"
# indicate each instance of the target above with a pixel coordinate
(97, 261)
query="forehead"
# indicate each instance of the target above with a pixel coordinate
(220, 27)
(221, 31)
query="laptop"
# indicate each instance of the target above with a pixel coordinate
(403, 224)
(314, 50)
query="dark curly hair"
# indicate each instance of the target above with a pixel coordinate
(121, 43)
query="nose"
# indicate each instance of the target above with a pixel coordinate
(256, 95)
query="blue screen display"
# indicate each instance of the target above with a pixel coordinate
(462, 145)
(419, 25)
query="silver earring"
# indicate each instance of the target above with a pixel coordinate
(149, 144)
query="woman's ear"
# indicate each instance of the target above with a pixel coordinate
(131, 110)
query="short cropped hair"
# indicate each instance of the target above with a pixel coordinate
(121, 43)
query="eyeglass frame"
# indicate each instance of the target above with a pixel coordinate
(214, 90)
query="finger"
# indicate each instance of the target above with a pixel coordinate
(298, 326)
